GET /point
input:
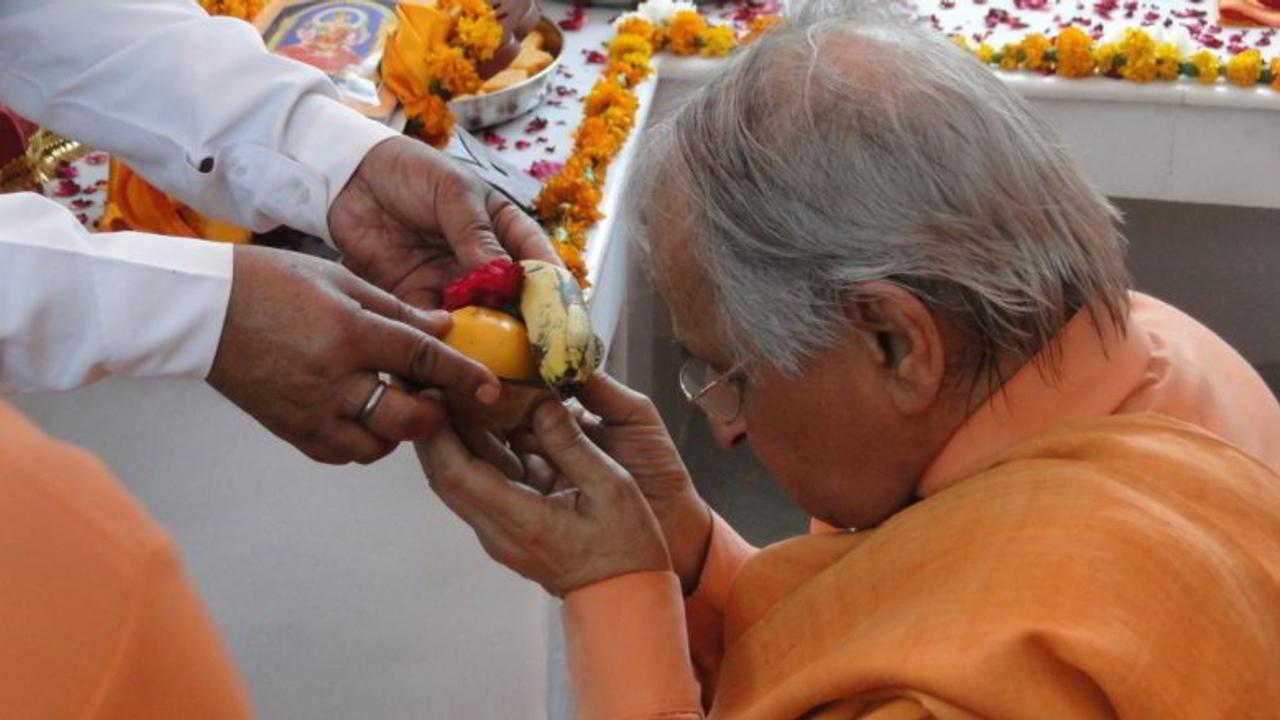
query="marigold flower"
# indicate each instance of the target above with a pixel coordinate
(1274, 68)
(612, 102)
(716, 41)
(429, 119)
(598, 137)
(1010, 57)
(643, 28)
(1168, 61)
(960, 42)
(1106, 56)
(1139, 50)
(449, 69)
(760, 25)
(682, 33)
(569, 196)
(1244, 69)
(1205, 66)
(985, 53)
(479, 36)
(1033, 48)
(631, 49)
(629, 73)
(1075, 53)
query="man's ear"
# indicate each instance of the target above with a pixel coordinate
(903, 336)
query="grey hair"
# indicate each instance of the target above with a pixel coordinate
(848, 145)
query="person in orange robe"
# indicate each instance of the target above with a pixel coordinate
(899, 290)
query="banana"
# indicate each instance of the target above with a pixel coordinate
(555, 315)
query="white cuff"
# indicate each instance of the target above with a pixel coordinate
(330, 139)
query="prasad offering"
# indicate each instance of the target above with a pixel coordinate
(528, 323)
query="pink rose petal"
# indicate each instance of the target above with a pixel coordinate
(66, 188)
(543, 169)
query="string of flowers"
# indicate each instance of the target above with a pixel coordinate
(568, 205)
(1134, 55)
(431, 58)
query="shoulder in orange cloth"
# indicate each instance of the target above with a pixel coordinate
(1125, 567)
(99, 619)
(134, 204)
(1249, 12)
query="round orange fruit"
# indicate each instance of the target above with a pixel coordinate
(494, 339)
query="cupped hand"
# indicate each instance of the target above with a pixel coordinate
(301, 347)
(627, 427)
(596, 527)
(410, 220)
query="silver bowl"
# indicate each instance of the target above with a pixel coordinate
(484, 111)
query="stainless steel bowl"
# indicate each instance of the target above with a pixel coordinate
(496, 108)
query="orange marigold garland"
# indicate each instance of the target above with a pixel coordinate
(568, 205)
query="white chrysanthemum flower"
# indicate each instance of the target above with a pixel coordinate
(658, 12)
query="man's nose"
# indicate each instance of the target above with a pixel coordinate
(727, 434)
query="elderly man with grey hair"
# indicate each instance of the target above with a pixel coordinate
(895, 285)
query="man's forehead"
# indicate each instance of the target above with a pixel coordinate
(681, 280)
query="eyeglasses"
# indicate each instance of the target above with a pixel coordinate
(719, 394)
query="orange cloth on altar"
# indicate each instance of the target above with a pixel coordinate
(99, 620)
(1167, 363)
(135, 204)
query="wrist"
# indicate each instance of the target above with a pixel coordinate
(687, 524)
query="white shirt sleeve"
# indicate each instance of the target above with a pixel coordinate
(76, 307)
(194, 104)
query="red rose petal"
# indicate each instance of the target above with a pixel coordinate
(538, 124)
(576, 19)
(66, 188)
(495, 284)
(98, 158)
(543, 169)
(66, 171)
(494, 140)
(595, 57)
(523, 144)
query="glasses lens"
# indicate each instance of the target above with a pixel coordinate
(721, 399)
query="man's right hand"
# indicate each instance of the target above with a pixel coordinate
(627, 426)
(301, 347)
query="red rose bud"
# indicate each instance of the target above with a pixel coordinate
(493, 285)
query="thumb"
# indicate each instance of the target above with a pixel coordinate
(578, 459)
(464, 218)
(614, 402)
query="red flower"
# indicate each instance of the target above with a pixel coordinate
(66, 188)
(494, 285)
(577, 18)
(543, 169)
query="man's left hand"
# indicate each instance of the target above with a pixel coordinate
(410, 220)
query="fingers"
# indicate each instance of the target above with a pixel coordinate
(375, 299)
(473, 489)
(413, 355)
(564, 444)
(346, 441)
(398, 415)
(484, 445)
(521, 235)
(616, 403)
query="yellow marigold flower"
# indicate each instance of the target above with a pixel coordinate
(631, 73)
(985, 52)
(1244, 69)
(569, 196)
(1206, 65)
(1075, 53)
(760, 25)
(1275, 72)
(244, 9)
(479, 36)
(429, 119)
(610, 100)
(596, 139)
(571, 254)
(1033, 47)
(1010, 57)
(627, 45)
(643, 28)
(1139, 50)
(683, 30)
(716, 41)
(961, 42)
(1168, 61)
(450, 71)
(1105, 57)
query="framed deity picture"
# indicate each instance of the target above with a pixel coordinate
(342, 38)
